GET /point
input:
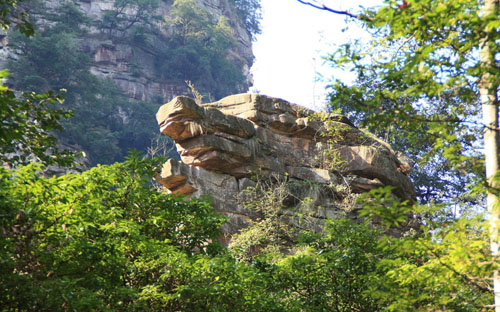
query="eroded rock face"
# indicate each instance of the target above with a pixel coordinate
(130, 64)
(222, 143)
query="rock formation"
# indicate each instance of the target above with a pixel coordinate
(147, 48)
(128, 63)
(116, 60)
(222, 143)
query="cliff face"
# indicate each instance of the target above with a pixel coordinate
(132, 67)
(222, 143)
(141, 51)
(126, 41)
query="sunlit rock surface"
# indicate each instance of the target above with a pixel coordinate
(222, 143)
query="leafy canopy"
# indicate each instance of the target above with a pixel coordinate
(417, 87)
(26, 130)
(97, 240)
(418, 84)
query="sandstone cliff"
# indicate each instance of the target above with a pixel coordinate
(222, 143)
(142, 51)
(122, 52)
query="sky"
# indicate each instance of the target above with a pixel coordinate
(289, 53)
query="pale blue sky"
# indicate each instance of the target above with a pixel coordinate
(294, 39)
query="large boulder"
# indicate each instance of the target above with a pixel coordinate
(221, 144)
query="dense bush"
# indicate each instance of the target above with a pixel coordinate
(100, 240)
(106, 240)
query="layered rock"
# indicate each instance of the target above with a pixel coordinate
(130, 64)
(133, 68)
(222, 143)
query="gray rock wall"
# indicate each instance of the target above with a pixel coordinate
(133, 69)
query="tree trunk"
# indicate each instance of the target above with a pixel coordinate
(488, 87)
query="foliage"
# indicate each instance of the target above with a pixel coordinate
(381, 205)
(420, 74)
(197, 51)
(270, 231)
(103, 239)
(384, 263)
(106, 240)
(418, 83)
(28, 120)
(12, 14)
(439, 270)
(330, 136)
(336, 271)
(437, 256)
(128, 13)
(196, 48)
(26, 128)
(250, 13)
(105, 124)
(197, 96)
(433, 175)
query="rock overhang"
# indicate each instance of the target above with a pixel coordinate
(240, 134)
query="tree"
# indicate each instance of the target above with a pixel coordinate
(106, 124)
(489, 88)
(28, 121)
(90, 240)
(336, 271)
(12, 14)
(26, 130)
(435, 61)
(105, 239)
(96, 240)
(127, 13)
(250, 12)
(198, 51)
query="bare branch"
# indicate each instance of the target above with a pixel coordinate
(325, 8)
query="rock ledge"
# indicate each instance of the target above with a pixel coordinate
(221, 143)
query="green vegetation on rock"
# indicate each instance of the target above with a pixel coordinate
(52, 60)
(250, 12)
(197, 49)
(186, 45)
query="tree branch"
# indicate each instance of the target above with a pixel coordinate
(464, 277)
(325, 8)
